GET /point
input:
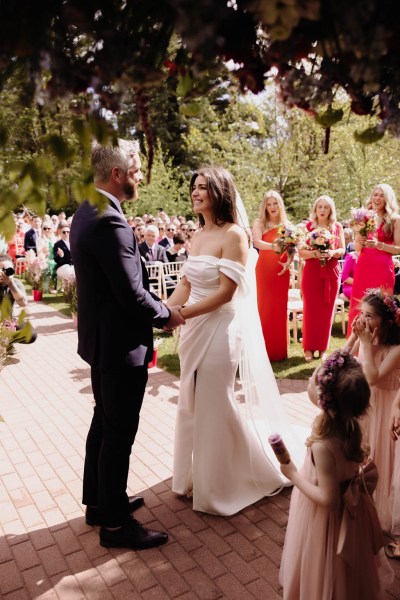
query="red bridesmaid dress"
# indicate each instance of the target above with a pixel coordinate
(272, 298)
(375, 268)
(319, 287)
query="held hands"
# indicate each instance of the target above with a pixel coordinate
(175, 319)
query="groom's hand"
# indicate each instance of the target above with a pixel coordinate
(175, 319)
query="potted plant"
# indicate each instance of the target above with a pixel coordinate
(7, 334)
(36, 272)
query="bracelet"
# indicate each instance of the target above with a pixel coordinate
(315, 254)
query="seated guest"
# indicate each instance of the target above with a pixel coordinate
(139, 231)
(348, 240)
(149, 249)
(177, 252)
(13, 289)
(130, 221)
(349, 267)
(32, 234)
(168, 240)
(62, 254)
(16, 243)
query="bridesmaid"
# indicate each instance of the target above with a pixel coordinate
(272, 275)
(320, 284)
(375, 266)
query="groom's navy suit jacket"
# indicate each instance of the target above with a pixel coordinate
(116, 310)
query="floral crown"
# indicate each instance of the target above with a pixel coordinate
(390, 304)
(327, 377)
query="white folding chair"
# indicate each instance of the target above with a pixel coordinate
(20, 265)
(171, 275)
(155, 274)
(294, 308)
(339, 309)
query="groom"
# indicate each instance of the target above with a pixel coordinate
(116, 315)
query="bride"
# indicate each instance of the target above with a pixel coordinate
(221, 450)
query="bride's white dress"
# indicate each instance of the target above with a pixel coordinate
(217, 455)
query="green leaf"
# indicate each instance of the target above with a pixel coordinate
(60, 148)
(58, 195)
(82, 130)
(191, 109)
(4, 133)
(30, 170)
(369, 135)
(329, 117)
(7, 225)
(9, 199)
(34, 200)
(185, 84)
(100, 129)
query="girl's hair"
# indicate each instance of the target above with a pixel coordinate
(332, 217)
(263, 215)
(387, 307)
(344, 397)
(391, 206)
(221, 191)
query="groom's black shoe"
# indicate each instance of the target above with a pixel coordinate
(132, 535)
(135, 502)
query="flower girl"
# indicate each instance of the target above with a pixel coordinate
(334, 544)
(376, 339)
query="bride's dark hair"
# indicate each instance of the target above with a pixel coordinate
(222, 192)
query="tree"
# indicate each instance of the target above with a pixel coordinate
(98, 55)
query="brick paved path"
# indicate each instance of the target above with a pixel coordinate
(47, 550)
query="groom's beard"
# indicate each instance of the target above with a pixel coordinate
(131, 191)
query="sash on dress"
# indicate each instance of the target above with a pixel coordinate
(356, 500)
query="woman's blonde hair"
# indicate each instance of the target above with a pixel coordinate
(391, 206)
(263, 214)
(332, 217)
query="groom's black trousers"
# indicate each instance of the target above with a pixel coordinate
(118, 396)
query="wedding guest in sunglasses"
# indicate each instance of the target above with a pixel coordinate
(62, 254)
(168, 240)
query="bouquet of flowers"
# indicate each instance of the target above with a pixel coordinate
(320, 239)
(36, 269)
(363, 220)
(288, 238)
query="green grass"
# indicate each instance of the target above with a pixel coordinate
(56, 301)
(294, 367)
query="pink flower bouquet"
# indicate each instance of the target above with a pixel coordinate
(363, 220)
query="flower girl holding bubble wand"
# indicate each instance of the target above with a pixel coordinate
(334, 544)
(376, 339)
